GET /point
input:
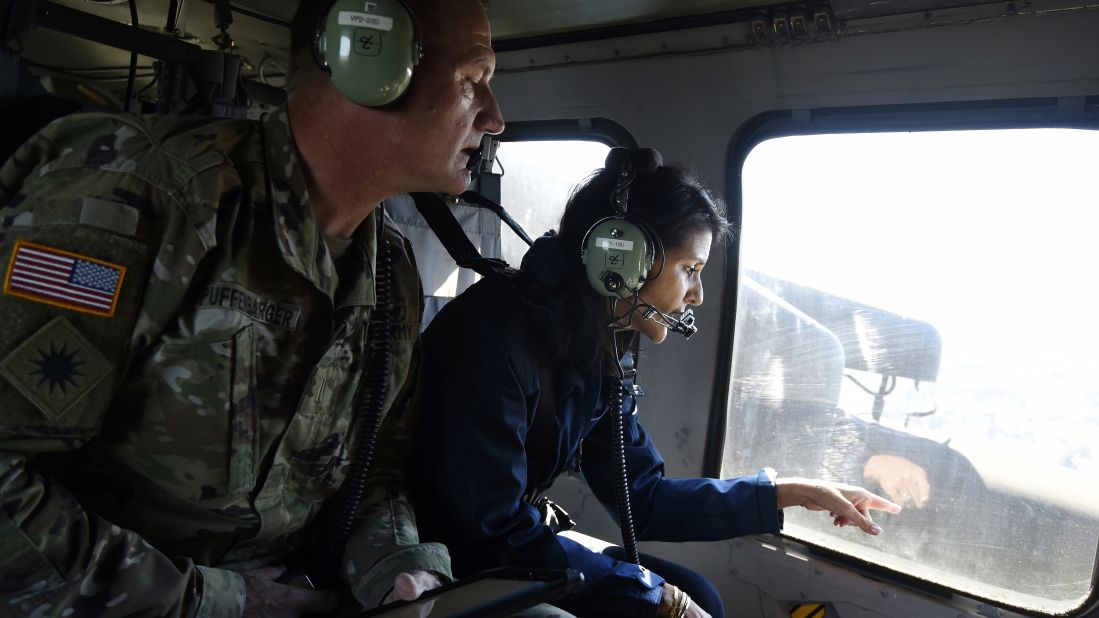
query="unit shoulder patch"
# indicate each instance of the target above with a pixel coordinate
(55, 368)
(63, 279)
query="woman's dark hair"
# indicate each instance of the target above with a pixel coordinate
(670, 201)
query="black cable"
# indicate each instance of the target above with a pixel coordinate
(474, 198)
(617, 323)
(133, 60)
(152, 82)
(368, 414)
(621, 480)
(638, 304)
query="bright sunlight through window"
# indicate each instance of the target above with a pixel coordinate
(917, 314)
(538, 177)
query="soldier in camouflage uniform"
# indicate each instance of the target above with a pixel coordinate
(184, 335)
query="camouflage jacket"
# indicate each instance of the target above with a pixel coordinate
(178, 365)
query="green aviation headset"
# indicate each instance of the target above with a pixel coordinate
(369, 49)
(619, 251)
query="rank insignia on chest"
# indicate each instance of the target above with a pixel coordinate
(63, 279)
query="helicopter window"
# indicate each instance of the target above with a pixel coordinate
(538, 177)
(916, 314)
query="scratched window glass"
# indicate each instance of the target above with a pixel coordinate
(916, 314)
(538, 177)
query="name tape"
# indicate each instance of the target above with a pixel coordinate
(266, 310)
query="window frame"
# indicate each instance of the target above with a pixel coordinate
(596, 129)
(602, 130)
(1079, 112)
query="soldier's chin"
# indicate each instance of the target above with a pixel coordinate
(459, 182)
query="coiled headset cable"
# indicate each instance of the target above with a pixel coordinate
(369, 408)
(321, 570)
(621, 480)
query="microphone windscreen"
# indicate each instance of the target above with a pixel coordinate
(474, 162)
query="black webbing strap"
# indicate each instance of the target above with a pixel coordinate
(434, 209)
(476, 199)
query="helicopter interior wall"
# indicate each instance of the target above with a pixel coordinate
(686, 96)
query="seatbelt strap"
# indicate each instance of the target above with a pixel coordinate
(434, 209)
(476, 199)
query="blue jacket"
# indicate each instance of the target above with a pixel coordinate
(480, 393)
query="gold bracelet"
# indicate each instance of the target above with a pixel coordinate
(679, 604)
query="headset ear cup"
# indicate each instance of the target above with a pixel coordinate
(617, 256)
(619, 252)
(370, 49)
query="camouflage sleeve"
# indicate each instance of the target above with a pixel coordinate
(386, 542)
(96, 251)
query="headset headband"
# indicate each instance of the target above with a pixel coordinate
(629, 163)
(619, 250)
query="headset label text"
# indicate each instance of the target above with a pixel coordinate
(366, 20)
(614, 243)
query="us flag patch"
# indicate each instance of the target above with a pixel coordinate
(63, 279)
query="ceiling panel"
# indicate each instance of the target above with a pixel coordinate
(262, 38)
(529, 18)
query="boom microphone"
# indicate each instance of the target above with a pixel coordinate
(683, 323)
(474, 163)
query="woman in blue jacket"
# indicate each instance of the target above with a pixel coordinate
(526, 380)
